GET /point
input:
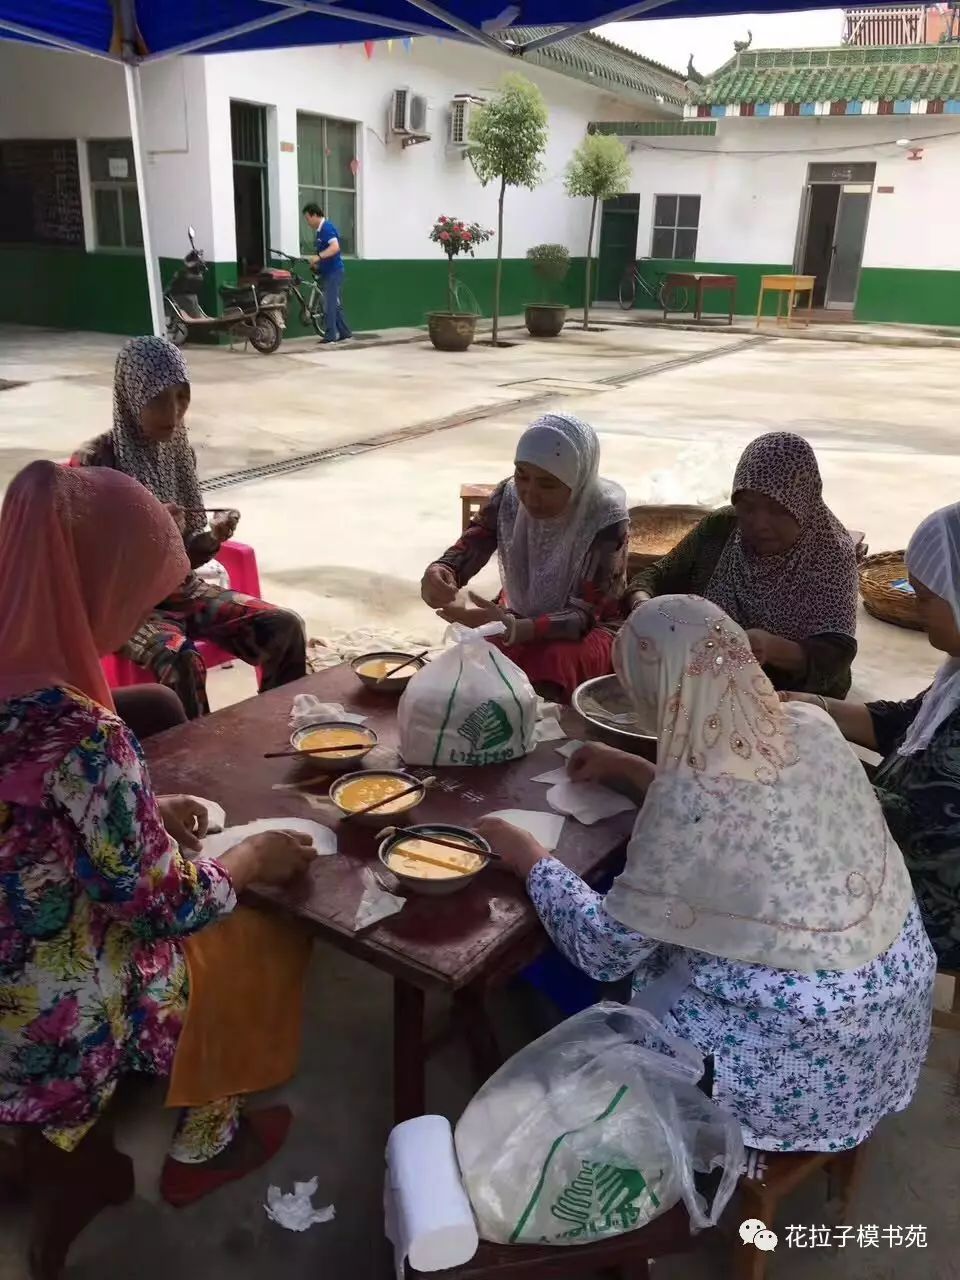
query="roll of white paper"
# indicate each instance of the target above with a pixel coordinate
(429, 1219)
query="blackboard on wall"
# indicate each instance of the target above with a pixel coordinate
(40, 193)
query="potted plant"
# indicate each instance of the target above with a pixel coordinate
(508, 135)
(551, 262)
(453, 329)
(599, 170)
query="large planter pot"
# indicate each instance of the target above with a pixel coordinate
(545, 319)
(451, 330)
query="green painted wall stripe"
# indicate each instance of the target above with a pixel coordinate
(904, 296)
(70, 289)
(106, 292)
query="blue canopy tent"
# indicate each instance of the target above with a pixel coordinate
(134, 32)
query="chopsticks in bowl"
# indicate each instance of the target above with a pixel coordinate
(416, 657)
(397, 795)
(447, 844)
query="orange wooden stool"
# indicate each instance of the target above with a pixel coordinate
(760, 1196)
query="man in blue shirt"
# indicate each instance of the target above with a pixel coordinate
(328, 262)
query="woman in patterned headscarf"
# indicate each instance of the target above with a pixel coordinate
(151, 395)
(779, 562)
(764, 910)
(560, 531)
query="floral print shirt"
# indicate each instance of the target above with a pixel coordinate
(93, 896)
(806, 1061)
(920, 797)
(599, 596)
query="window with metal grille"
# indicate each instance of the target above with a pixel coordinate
(113, 186)
(327, 175)
(676, 221)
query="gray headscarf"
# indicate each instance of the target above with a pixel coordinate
(933, 557)
(541, 561)
(145, 367)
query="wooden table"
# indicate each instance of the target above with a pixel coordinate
(700, 283)
(464, 944)
(791, 286)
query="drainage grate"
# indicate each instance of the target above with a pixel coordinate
(286, 466)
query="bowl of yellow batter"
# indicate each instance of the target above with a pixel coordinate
(357, 790)
(434, 868)
(353, 742)
(369, 669)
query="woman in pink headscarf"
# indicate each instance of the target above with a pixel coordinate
(97, 905)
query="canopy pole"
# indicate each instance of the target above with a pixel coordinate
(131, 74)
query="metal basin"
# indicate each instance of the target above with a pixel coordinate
(607, 709)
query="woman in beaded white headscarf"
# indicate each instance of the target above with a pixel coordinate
(918, 783)
(764, 910)
(560, 533)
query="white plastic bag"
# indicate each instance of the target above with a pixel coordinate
(469, 706)
(594, 1129)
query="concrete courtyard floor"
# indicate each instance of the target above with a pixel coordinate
(344, 538)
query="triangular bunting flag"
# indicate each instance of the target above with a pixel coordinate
(368, 48)
(408, 43)
(389, 46)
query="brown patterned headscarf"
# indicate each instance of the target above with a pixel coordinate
(811, 589)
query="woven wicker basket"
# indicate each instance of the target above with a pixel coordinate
(883, 600)
(656, 530)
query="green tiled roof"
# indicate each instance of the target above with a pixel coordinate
(655, 128)
(593, 59)
(830, 75)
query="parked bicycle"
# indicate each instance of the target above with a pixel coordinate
(667, 297)
(308, 293)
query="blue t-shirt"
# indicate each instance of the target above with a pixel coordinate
(325, 233)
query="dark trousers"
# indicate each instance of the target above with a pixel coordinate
(335, 322)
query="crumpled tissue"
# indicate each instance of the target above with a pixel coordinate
(294, 1209)
(552, 777)
(548, 727)
(569, 748)
(308, 709)
(588, 802)
(546, 828)
(376, 904)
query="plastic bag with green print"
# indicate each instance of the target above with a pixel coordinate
(469, 706)
(593, 1130)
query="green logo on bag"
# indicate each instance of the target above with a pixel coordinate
(486, 727)
(601, 1198)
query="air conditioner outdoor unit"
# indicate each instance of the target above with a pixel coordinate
(462, 109)
(408, 117)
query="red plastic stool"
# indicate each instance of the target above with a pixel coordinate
(240, 562)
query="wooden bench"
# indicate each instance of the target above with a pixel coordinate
(63, 1190)
(473, 498)
(626, 1257)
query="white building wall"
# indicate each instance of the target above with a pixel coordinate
(401, 191)
(48, 94)
(751, 176)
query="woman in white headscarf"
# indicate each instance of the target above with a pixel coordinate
(560, 531)
(764, 910)
(918, 783)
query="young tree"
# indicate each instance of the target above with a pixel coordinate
(599, 169)
(507, 136)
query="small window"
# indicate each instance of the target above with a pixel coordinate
(113, 183)
(676, 220)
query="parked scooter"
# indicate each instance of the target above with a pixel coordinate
(255, 312)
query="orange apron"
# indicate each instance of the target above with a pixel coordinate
(244, 1015)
